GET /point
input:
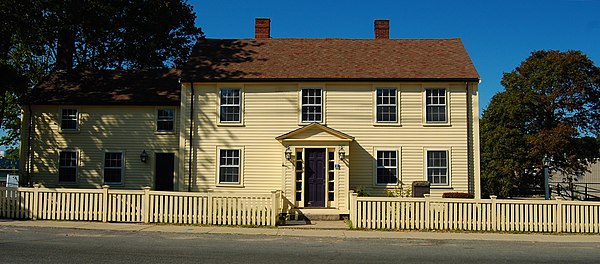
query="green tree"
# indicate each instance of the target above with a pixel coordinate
(550, 106)
(116, 34)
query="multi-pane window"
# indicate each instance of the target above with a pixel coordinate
(312, 105)
(387, 167)
(68, 119)
(165, 120)
(436, 105)
(437, 167)
(229, 166)
(230, 105)
(386, 105)
(67, 166)
(113, 167)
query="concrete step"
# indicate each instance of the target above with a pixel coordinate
(326, 225)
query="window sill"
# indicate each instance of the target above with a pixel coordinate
(308, 123)
(69, 131)
(113, 183)
(387, 125)
(233, 185)
(437, 125)
(165, 132)
(231, 124)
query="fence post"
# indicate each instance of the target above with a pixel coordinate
(559, 215)
(105, 203)
(493, 211)
(427, 201)
(275, 207)
(211, 214)
(353, 206)
(146, 205)
(36, 191)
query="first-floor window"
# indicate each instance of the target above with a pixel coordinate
(387, 167)
(113, 167)
(67, 166)
(437, 167)
(229, 166)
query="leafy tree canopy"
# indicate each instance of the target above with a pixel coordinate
(551, 106)
(116, 34)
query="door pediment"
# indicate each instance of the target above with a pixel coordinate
(315, 132)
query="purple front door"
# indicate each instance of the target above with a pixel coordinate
(314, 189)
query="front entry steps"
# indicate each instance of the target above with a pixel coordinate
(325, 225)
(308, 216)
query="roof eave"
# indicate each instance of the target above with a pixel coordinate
(461, 79)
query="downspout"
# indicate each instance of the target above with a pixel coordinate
(191, 139)
(29, 152)
(469, 136)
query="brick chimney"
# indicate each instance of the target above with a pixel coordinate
(262, 28)
(382, 29)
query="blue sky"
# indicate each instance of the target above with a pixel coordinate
(498, 35)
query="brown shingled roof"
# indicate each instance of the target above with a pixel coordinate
(329, 59)
(109, 87)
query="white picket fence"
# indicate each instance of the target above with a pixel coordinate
(474, 214)
(140, 206)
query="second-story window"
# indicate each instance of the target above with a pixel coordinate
(230, 109)
(435, 105)
(165, 120)
(386, 105)
(68, 119)
(312, 105)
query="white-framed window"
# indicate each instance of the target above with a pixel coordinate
(387, 167)
(67, 166)
(69, 119)
(230, 109)
(436, 106)
(437, 167)
(230, 166)
(113, 167)
(311, 105)
(387, 105)
(165, 120)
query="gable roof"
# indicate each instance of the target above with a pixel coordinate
(109, 87)
(317, 127)
(283, 59)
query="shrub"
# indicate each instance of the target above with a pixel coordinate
(458, 195)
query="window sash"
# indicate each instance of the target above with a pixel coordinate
(113, 167)
(387, 167)
(68, 119)
(165, 120)
(312, 105)
(436, 105)
(437, 167)
(67, 166)
(230, 108)
(229, 166)
(387, 103)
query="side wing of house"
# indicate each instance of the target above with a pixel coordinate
(112, 128)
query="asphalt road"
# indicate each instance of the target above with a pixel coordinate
(56, 245)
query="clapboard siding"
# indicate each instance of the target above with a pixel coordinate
(272, 109)
(130, 129)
